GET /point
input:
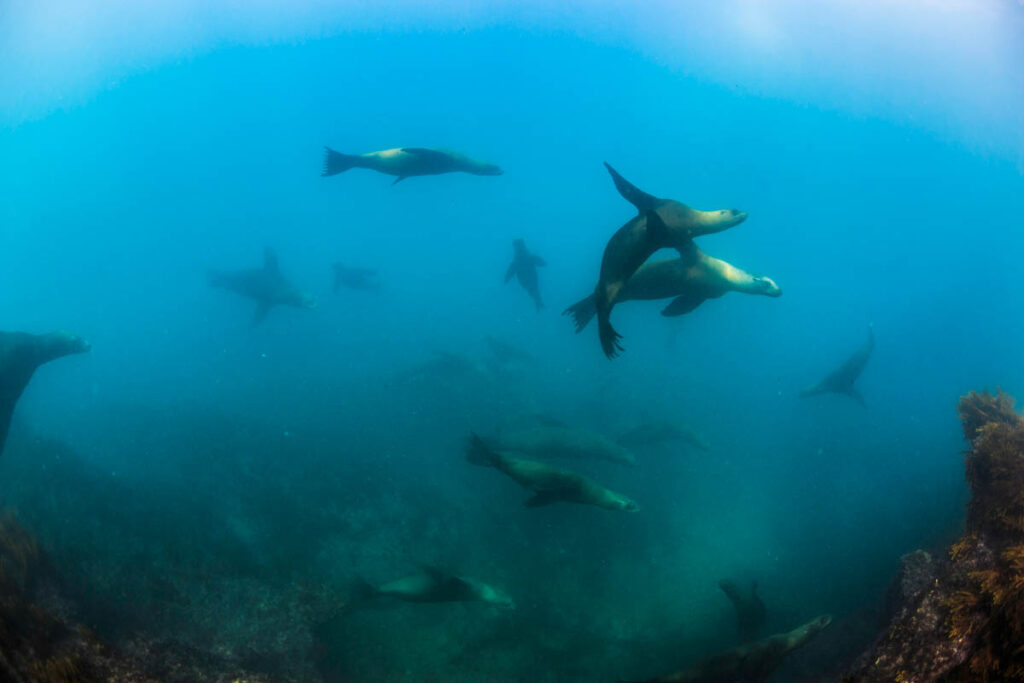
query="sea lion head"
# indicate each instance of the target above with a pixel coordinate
(71, 343)
(819, 624)
(489, 169)
(767, 287)
(625, 504)
(726, 218)
(495, 597)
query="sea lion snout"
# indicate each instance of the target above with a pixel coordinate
(768, 287)
(491, 169)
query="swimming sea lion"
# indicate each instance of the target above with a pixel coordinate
(435, 585)
(549, 485)
(20, 354)
(524, 268)
(266, 285)
(750, 611)
(661, 223)
(690, 280)
(750, 663)
(660, 431)
(361, 279)
(551, 439)
(406, 162)
(840, 380)
(503, 353)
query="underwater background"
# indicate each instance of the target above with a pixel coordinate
(199, 478)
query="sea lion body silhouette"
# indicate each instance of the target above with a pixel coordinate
(20, 354)
(842, 379)
(551, 439)
(548, 484)
(751, 663)
(689, 281)
(661, 431)
(266, 286)
(406, 162)
(661, 223)
(524, 268)
(750, 610)
(435, 585)
(359, 279)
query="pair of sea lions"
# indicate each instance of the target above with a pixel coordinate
(660, 223)
(434, 585)
(20, 355)
(406, 162)
(689, 281)
(548, 484)
(524, 268)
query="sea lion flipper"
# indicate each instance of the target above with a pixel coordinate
(631, 193)
(657, 231)
(541, 498)
(682, 305)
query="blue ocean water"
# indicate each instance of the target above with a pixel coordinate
(879, 159)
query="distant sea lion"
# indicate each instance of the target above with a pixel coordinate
(661, 223)
(406, 162)
(435, 585)
(549, 485)
(841, 380)
(650, 433)
(689, 280)
(750, 611)
(750, 663)
(551, 439)
(360, 279)
(524, 268)
(20, 354)
(266, 285)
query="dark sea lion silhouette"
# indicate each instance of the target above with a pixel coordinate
(549, 484)
(266, 286)
(841, 380)
(20, 354)
(359, 279)
(750, 611)
(524, 268)
(661, 223)
(689, 280)
(434, 585)
(406, 162)
(751, 663)
(661, 431)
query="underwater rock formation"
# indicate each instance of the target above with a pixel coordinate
(961, 618)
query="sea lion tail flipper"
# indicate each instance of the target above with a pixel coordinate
(682, 305)
(336, 162)
(399, 179)
(854, 393)
(541, 498)
(582, 311)
(630, 192)
(479, 453)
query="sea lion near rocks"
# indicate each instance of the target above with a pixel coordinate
(661, 431)
(406, 162)
(750, 610)
(20, 354)
(661, 223)
(266, 286)
(689, 280)
(434, 585)
(549, 439)
(841, 380)
(751, 663)
(359, 279)
(524, 268)
(548, 484)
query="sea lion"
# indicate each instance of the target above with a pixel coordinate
(689, 280)
(435, 585)
(266, 285)
(20, 354)
(750, 611)
(841, 380)
(360, 279)
(503, 354)
(524, 268)
(660, 431)
(661, 223)
(551, 439)
(549, 484)
(749, 663)
(406, 162)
